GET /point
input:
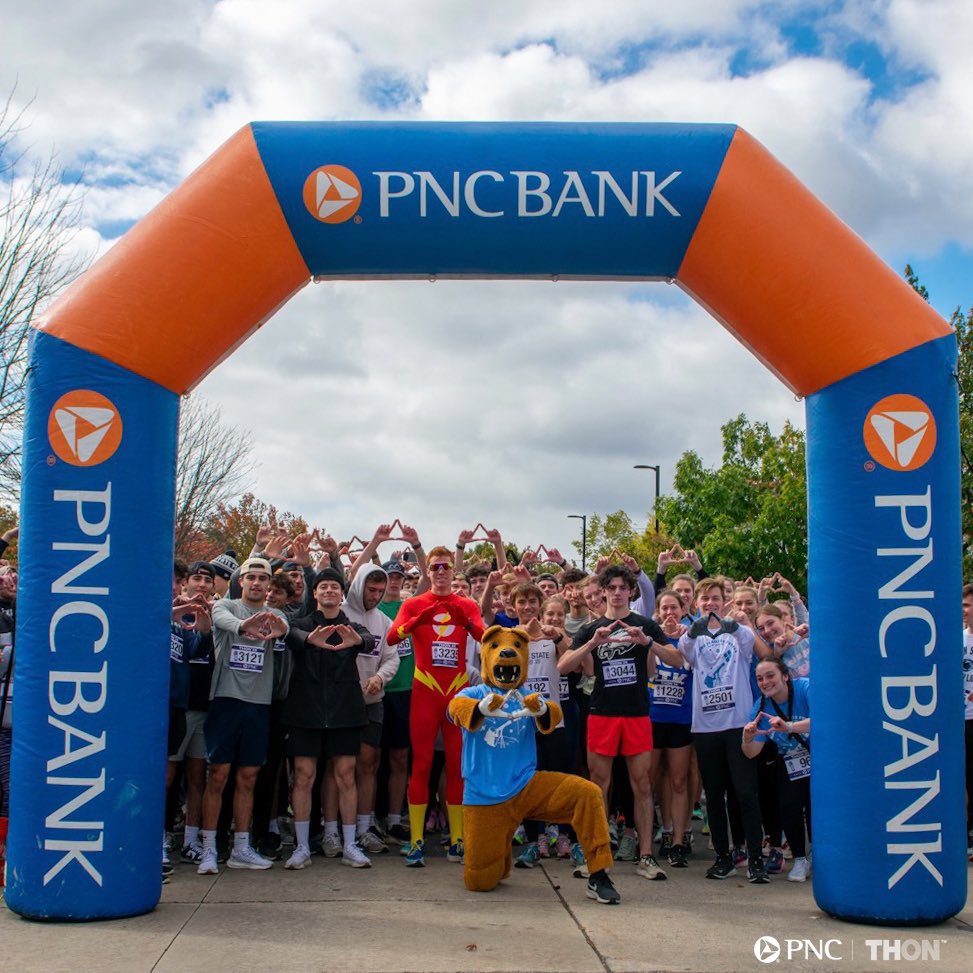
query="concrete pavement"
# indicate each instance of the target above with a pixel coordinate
(390, 918)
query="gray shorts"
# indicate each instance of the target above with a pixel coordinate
(194, 743)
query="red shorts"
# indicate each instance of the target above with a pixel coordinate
(614, 735)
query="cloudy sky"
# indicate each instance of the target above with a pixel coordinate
(556, 389)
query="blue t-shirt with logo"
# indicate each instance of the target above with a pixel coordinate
(798, 708)
(500, 757)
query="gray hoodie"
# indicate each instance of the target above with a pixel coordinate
(384, 658)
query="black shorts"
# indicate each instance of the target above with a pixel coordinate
(671, 736)
(236, 732)
(395, 728)
(177, 733)
(323, 744)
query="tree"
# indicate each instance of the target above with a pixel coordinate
(617, 532)
(214, 461)
(962, 324)
(233, 526)
(747, 517)
(40, 213)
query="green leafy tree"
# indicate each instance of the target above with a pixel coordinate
(748, 516)
(962, 324)
(617, 532)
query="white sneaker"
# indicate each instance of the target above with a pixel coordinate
(354, 856)
(332, 845)
(799, 870)
(300, 859)
(208, 865)
(246, 857)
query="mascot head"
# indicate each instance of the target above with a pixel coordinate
(504, 654)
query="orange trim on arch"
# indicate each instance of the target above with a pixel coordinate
(792, 282)
(193, 279)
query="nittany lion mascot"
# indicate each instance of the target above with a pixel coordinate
(502, 784)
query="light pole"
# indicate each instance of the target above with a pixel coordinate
(655, 506)
(584, 538)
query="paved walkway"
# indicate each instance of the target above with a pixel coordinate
(390, 918)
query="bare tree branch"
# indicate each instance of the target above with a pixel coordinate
(214, 461)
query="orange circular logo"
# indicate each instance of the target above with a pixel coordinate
(332, 194)
(84, 428)
(900, 432)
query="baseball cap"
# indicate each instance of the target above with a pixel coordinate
(201, 567)
(255, 564)
(393, 567)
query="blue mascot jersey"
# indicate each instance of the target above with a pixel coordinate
(500, 757)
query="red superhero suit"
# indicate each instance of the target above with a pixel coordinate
(439, 626)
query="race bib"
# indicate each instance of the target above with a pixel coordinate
(716, 700)
(668, 693)
(564, 688)
(404, 648)
(175, 647)
(445, 655)
(536, 686)
(247, 658)
(279, 645)
(619, 672)
(797, 763)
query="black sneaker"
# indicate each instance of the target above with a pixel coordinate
(687, 844)
(665, 843)
(269, 847)
(399, 835)
(677, 857)
(600, 889)
(756, 871)
(722, 868)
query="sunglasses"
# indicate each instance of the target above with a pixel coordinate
(440, 567)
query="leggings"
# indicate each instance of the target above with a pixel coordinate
(426, 717)
(721, 763)
(795, 808)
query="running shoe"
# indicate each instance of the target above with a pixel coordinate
(301, 858)
(799, 870)
(775, 861)
(697, 812)
(600, 889)
(269, 847)
(563, 846)
(416, 855)
(628, 850)
(529, 857)
(665, 843)
(649, 868)
(166, 861)
(756, 872)
(739, 857)
(705, 827)
(432, 822)
(613, 833)
(191, 854)
(455, 853)
(520, 835)
(371, 842)
(353, 855)
(677, 857)
(208, 864)
(687, 843)
(332, 845)
(544, 847)
(577, 855)
(723, 867)
(247, 857)
(398, 834)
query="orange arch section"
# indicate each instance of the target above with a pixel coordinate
(193, 279)
(792, 281)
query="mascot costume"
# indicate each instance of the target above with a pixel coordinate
(502, 785)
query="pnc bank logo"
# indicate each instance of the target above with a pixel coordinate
(900, 432)
(332, 194)
(84, 428)
(766, 949)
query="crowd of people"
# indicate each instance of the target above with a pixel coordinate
(309, 688)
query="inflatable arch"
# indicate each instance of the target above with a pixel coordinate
(279, 204)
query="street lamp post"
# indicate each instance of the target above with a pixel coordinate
(655, 506)
(584, 538)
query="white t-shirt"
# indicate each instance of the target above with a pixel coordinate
(722, 697)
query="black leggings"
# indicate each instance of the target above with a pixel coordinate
(722, 762)
(795, 808)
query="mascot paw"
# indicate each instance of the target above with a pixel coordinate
(490, 704)
(536, 704)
